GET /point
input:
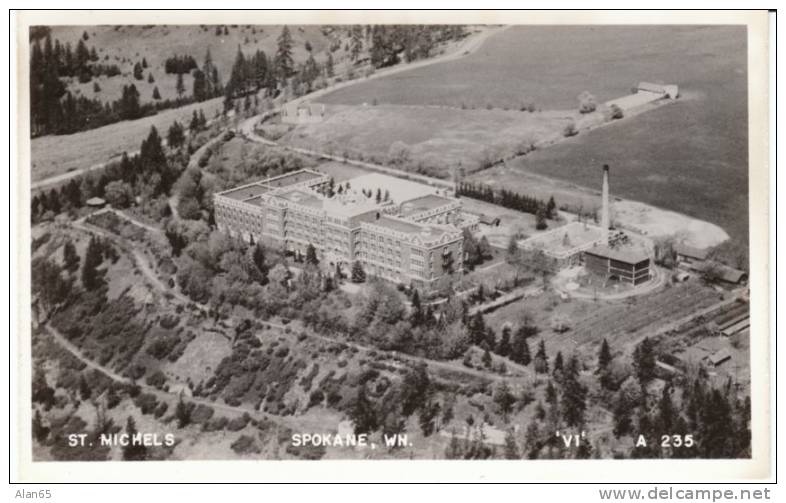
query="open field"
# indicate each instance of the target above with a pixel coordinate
(552, 65)
(690, 156)
(434, 137)
(55, 155)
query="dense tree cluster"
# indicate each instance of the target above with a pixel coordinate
(508, 199)
(390, 42)
(56, 110)
(179, 64)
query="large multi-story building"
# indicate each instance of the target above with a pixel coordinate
(398, 230)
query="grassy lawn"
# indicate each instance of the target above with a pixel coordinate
(436, 137)
(56, 155)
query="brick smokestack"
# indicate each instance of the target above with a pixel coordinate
(604, 215)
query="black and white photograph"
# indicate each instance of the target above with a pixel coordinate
(254, 239)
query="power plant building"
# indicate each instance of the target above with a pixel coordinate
(411, 236)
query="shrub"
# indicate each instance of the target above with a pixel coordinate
(146, 402)
(202, 414)
(157, 379)
(245, 445)
(238, 423)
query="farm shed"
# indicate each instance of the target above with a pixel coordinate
(690, 255)
(731, 275)
(720, 357)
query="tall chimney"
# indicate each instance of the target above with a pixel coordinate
(604, 216)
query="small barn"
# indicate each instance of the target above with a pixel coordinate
(690, 255)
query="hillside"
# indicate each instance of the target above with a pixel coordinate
(127, 45)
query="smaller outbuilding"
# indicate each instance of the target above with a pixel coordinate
(95, 202)
(690, 255)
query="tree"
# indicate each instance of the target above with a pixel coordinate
(573, 394)
(540, 219)
(150, 78)
(176, 136)
(93, 258)
(70, 257)
(358, 274)
(84, 389)
(519, 351)
(182, 414)
(551, 207)
(541, 361)
(415, 389)
(156, 94)
(504, 399)
(570, 130)
(96, 87)
(477, 328)
(311, 255)
(119, 194)
(135, 450)
(557, 367)
(616, 112)
(258, 257)
(329, 65)
(511, 448)
(623, 424)
(504, 347)
(356, 43)
(667, 416)
(604, 356)
(417, 309)
(644, 361)
(362, 413)
(283, 59)
(486, 359)
(138, 72)
(587, 103)
(40, 432)
(180, 86)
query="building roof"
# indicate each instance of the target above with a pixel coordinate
(399, 190)
(292, 178)
(246, 191)
(627, 254)
(691, 251)
(301, 197)
(426, 232)
(565, 241)
(730, 275)
(720, 356)
(424, 203)
(653, 88)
